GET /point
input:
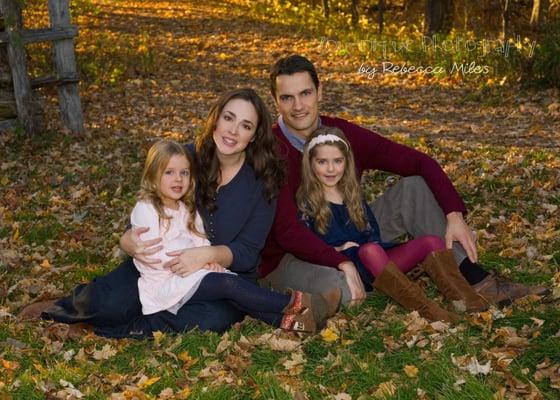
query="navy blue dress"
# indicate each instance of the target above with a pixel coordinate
(341, 229)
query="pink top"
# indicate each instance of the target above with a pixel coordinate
(159, 288)
(371, 151)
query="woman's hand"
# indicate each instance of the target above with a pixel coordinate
(346, 246)
(140, 249)
(214, 267)
(354, 282)
(185, 262)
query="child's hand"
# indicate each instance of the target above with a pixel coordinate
(214, 267)
(346, 246)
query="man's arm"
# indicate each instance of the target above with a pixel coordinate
(373, 151)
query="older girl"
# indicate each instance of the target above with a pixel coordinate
(331, 204)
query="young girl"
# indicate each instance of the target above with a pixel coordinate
(331, 205)
(166, 205)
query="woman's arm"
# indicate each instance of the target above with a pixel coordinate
(145, 221)
(239, 255)
(142, 250)
(185, 262)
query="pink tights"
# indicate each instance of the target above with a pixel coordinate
(405, 256)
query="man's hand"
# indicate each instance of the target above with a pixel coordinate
(354, 282)
(346, 245)
(185, 262)
(458, 230)
(132, 245)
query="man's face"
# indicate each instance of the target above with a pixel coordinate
(297, 101)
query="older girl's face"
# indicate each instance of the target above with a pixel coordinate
(236, 127)
(328, 164)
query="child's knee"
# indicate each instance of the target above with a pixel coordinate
(371, 250)
(434, 243)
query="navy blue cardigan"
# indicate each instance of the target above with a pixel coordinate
(241, 221)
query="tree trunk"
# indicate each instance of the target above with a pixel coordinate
(355, 16)
(438, 16)
(380, 16)
(506, 13)
(326, 10)
(537, 13)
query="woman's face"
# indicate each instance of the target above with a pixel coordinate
(236, 127)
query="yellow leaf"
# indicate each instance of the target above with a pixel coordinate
(46, 263)
(183, 394)
(517, 189)
(143, 384)
(411, 371)
(385, 389)
(5, 180)
(158, 336)
(10, 365)
(329, 335)
(16, 234)
(222, 56)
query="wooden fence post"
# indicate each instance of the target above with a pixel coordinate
(17, 59)
(65, 64)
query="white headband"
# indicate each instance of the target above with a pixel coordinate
(329, 137)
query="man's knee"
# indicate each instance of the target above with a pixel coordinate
(414, 183)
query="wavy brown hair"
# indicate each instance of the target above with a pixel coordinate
(261, 153)
(156, 161)
(310, 196)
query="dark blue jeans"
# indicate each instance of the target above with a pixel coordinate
(258, 302)
(111, 304)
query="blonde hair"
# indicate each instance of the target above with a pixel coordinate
(310, 196)
(156, 161)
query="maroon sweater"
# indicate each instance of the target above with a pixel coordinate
(371, 151)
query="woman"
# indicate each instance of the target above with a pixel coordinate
(240, 175)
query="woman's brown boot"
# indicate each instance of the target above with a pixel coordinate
(442, 268)
(306, 311)
(395, 284)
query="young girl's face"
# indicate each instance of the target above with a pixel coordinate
(174, 181)
(328, 164)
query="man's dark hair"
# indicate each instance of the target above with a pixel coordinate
(289, 66)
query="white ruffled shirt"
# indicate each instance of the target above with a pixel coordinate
(159, 288)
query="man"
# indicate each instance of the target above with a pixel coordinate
(424, 202)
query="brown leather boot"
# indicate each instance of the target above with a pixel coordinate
(395, 284)
(322, 305)
(300, 313)
(442, 268)
(501, 292)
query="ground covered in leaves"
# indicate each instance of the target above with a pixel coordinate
(151, 70)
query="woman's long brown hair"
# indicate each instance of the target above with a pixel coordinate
(261, 153)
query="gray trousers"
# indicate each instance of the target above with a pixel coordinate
(408, 207)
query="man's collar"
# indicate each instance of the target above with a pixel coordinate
(294, 139)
